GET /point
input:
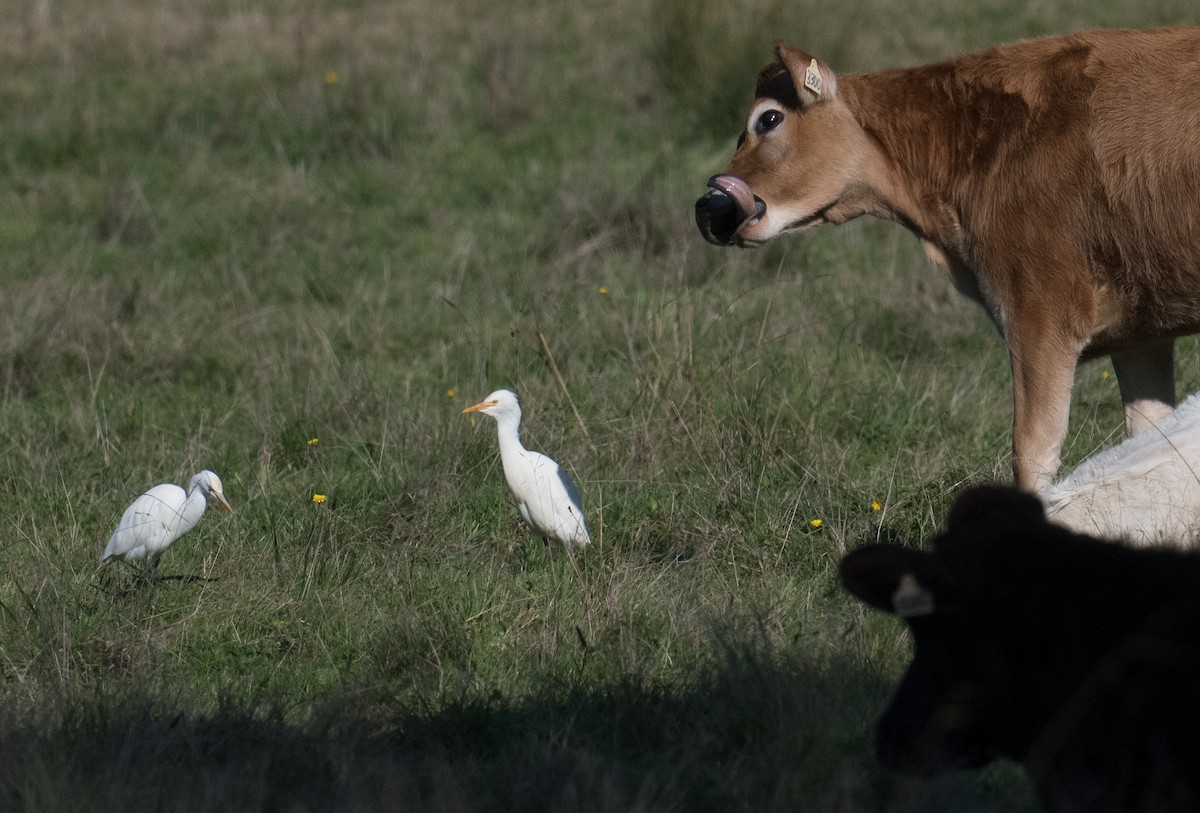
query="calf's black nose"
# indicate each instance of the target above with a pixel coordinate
(717, 217)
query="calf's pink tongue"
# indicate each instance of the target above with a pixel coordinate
(738, 191)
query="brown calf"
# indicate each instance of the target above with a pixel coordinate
(1056, 182)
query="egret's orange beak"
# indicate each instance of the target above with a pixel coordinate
(221, 499)
(479, 406)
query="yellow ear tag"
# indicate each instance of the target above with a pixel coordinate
(812, 78)
(911, 599)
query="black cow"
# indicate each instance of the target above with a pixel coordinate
(1076, 657)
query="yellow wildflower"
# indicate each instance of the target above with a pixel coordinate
(332, 78)
(876, 505)
(1104, 373)
(603, 290)
(313, 441)
(450, 392)
(816, 523)
(318, 498)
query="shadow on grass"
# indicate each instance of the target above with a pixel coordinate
(756, 732)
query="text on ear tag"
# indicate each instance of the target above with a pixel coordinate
(911, 599)
(812, 78)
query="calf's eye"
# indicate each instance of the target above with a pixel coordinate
(768, 121)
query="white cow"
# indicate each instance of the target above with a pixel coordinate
(1145, 490)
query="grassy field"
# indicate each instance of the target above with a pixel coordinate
(290, 240)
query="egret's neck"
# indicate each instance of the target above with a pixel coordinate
(192, 509)
(195, 498)
(510, 438)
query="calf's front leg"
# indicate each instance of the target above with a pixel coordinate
(1043, 374)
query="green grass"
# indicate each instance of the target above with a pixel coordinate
(228, 228)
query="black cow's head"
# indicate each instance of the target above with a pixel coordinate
(953, 708)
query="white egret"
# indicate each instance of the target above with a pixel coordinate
(159, 517)
(548, 500)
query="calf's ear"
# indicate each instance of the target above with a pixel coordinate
(897, 580)
(813, 79)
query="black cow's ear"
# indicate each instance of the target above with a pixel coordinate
(995, 505)
(897, 580)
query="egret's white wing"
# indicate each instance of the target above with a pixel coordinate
(575, 530)
(553, 502)
(148, 525)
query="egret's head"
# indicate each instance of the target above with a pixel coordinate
(500, 404)
(213, 490)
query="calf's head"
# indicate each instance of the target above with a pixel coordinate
(798, 163)
(955, 706)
